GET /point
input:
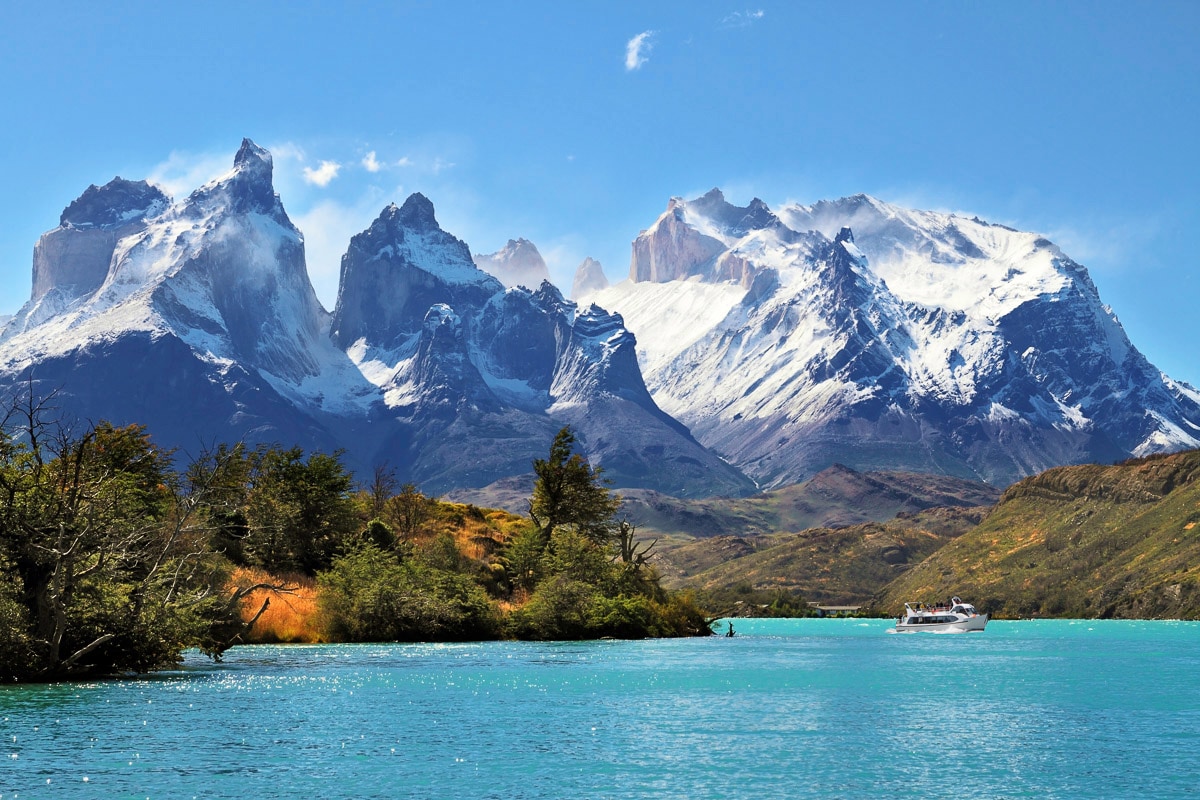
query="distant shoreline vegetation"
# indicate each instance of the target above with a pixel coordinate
(113, 562)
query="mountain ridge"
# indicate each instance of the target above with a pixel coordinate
(858, 332)
(206, 327)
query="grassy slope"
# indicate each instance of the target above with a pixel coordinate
(1085, 541)
(828, 565)
(295, 616)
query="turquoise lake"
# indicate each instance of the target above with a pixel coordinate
(787, 708)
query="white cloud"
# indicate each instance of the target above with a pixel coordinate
(637, 50)
(328, 227)
(371, 163)
(322, 175)
(742, 19)
(404, 162)
(182, 173)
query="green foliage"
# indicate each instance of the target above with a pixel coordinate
(368, 594)
(584, 575)
(276, 509)
(18, 656)
(569, 491)
(523, 559)
(111, 561)
(380, 534)
(103, 566)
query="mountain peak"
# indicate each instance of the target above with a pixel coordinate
(844, 235)
(116, 203)
(251, 156)
(589, 277)
(518, 263)
(247, 188)
(417, 213)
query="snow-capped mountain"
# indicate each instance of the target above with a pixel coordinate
(189, 317)
(518, 263)
(197, 319)
(861, 333)
(482, 376)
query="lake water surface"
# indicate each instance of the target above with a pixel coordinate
(785, 709)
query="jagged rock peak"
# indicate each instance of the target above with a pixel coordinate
(116, 203)
(247, 188)
(441, 315)
(594, 322)
(416, 213)
(733, 220)
(844, 235)
(589, 277)
(252, 156)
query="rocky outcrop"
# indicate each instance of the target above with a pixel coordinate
(398, 268)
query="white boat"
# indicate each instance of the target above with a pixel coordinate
(953, 617)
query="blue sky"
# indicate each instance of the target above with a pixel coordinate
(571, 124)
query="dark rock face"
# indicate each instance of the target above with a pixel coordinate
(188, 316)
(74, 257)
(114, 204)
(248, 189)
(475, 367)
(397, 269)
(184, 402)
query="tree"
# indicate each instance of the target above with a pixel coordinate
(410, 511)
(298, 512)
(103, 554)
(569, 491)
(382, 488)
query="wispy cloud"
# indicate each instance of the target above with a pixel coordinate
(637, 50)
(370, 163)
(742, 19)
(183, 172)
(328, 227)
(322, 175)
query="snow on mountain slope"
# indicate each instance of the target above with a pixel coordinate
(198, 319)
(861, 332)
(222, 270)
(469, 366)
(671, 316)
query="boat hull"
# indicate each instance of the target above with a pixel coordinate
(967, 625)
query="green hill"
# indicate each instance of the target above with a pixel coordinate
(1084, 541)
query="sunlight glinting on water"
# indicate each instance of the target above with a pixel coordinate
(807, 708)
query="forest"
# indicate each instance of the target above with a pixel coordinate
(117, 556)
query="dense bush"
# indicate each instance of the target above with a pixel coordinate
(370, 595)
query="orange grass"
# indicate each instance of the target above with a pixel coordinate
(292, 617)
